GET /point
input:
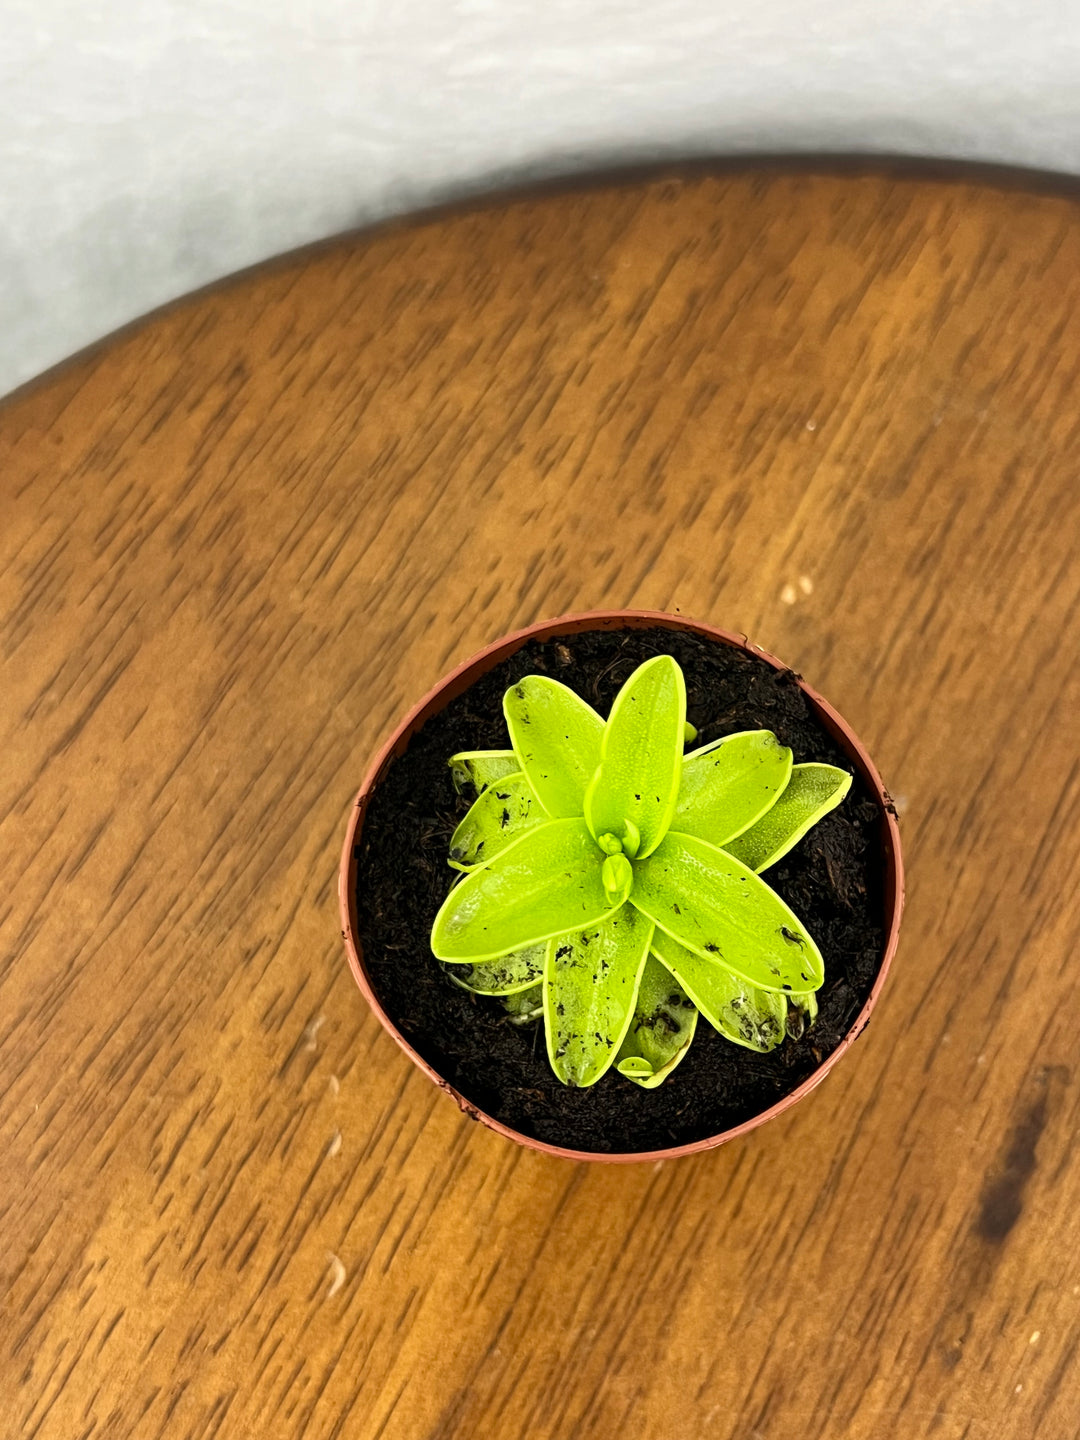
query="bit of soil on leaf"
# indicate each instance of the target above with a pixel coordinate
(831, 880)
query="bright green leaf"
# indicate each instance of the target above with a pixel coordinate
(741, 1012)
(544, 884)
(635, 1067)
(641, 755)
(556, 736)
(715, 906)
(590, 986)
(728, 785)
(664, 1022)
(497, 818)
(520, 970)
(617, 878)
(812, 792)
(481, 768)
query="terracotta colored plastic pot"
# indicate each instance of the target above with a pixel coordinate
(460, 680)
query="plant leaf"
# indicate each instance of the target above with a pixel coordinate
(520, 970)
(524, 1006)
(641, 758)
(801, 1014)
(590, 985)
(544, 884)
(711, 903)
(635, 1067)
(661, 1030)
(811, 793)
(481, 768)
(498, 817)
(617, 878)
(556, 737)
(730, 784)
(741, 1012)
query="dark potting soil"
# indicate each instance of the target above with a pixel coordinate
(831, 879)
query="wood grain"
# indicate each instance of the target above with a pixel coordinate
(837, 413)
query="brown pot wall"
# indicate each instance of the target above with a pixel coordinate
(460, 680)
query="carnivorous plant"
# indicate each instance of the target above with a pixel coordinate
(613, 883)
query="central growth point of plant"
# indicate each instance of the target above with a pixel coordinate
(611, 882)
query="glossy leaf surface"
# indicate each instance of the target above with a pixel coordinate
(496, 818)
(661, 1030)
(544, 884)
(641, 757)
(556, 737)
(730, 784)
(812, 791)
(590, 988)
(617, 878)
(715, 906)
(741, 1012)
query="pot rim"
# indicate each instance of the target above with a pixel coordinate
(460, 679)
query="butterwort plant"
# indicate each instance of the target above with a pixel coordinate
(612, 883)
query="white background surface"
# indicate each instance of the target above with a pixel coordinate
(149, 146)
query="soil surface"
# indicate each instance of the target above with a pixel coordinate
(831, 880)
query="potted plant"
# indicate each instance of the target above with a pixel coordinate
(623, 885)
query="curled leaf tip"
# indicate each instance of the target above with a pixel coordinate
(617, 877)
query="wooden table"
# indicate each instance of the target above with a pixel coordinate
(838, 413)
